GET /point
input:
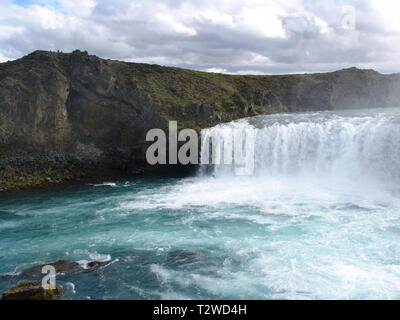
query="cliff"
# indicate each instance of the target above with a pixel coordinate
(64, 116)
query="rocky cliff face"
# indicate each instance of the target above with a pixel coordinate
(68, 115)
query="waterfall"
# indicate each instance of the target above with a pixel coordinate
(354, 145)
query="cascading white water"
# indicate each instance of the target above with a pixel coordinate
(351, 145)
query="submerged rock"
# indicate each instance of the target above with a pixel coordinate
(182, 253)
(97, 264)
(61, 266)
(181, 256)
(32, 290)
(65, 266)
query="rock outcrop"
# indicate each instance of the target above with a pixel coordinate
(65, 116)
(32, 290)
(65, 267)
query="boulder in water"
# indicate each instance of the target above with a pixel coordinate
(97, 264)
(182, 256)
(32, 290)
(61, 266)
(65, 266)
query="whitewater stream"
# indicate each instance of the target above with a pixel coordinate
(318, 218)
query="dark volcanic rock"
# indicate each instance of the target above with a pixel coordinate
(182, 256)
(61, 266)
(66, 116)
(32, 290)
(66, 267)
(97, 264)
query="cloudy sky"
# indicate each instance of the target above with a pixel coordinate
(231, 36)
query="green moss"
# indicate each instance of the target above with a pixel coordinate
(260, 110)
(175, 92)
(32, 290)
(10, 179)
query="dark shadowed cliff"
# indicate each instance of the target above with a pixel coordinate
(68, 115)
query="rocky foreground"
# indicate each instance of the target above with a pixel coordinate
(33, 289)
(70, 116)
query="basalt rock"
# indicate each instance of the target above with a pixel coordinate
(61, 266)
(181, 256)
(32, 290)
(65, 267)
(97, 264)
(67, 116)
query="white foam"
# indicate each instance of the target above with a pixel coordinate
(105, 184)
(71, 287)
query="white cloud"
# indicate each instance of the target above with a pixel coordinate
(166, 22)
(262, 20)
(216, 70)
(82, 8)
(47, 18)
(387, 14)
(227, 36)
(3, 59)
(7, 32)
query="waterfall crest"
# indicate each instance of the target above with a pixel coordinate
(353, 145)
